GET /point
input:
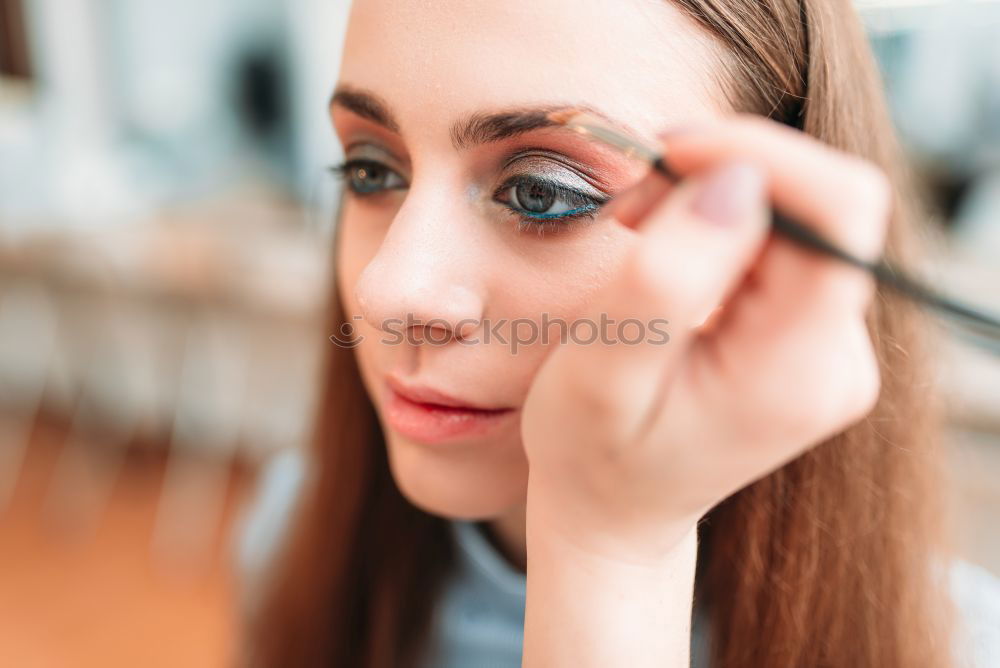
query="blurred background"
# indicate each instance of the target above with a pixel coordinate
(164, 239)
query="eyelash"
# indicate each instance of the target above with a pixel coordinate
(586, 206)
(345, 170)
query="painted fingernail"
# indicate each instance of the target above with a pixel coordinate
(730, 194)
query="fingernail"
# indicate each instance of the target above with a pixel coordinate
(730, 194)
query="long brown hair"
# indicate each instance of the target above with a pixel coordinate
(829, 561)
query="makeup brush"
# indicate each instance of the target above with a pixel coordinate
(979, 323)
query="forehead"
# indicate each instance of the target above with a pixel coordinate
(641, 61)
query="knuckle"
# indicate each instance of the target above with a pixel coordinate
(857, 391)
(825, 416)
(827, 394)
(872, 190)
(866, 386)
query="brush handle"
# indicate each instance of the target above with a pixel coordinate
(888, 275)
(982, 324)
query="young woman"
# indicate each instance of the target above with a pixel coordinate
(747, 468)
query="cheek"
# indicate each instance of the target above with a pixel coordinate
(543, 288)
(559, 277)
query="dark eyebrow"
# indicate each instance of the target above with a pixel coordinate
(478, 128)
(483, 127)
(366, 105)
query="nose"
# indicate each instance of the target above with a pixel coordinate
(425, 277)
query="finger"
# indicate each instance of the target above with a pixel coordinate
(632, 205)
(844, 198)
(693, 248)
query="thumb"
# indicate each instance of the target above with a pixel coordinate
(696, 245)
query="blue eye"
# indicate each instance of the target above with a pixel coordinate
(539, 199)
(365, 177)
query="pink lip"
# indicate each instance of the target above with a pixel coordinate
(429, 416)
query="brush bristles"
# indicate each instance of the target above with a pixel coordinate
(562, 116)
(574, 117)
(590, 125)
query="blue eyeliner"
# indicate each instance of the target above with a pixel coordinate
(555, 216)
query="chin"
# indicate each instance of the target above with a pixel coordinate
(477, 481)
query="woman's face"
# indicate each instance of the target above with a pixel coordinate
(469, 226)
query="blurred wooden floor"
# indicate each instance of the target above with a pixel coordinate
(103, 601)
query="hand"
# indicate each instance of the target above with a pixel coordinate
(629, 445)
